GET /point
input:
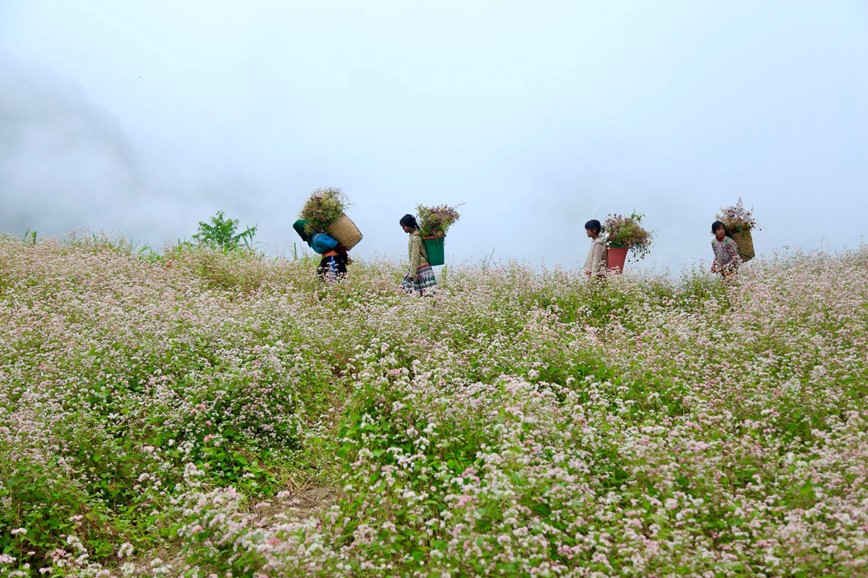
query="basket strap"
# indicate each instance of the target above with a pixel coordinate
(425, 253)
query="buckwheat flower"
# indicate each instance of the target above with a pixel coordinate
(18, 531)
(126, 549)
(463, 500)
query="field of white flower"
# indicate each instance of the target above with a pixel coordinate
(159, 417)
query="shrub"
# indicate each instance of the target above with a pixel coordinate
(221, 233)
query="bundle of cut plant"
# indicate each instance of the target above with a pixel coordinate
(739, 224)
(623, 234)
(433, 224)
(325, 211)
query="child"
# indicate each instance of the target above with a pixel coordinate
(726, 258)
(420, 277)
(595, 264)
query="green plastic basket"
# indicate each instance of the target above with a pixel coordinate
(434, 249)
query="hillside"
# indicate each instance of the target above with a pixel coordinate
(197, 412)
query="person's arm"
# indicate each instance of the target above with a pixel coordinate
(344, 253)
(714, 263)
(415, 255)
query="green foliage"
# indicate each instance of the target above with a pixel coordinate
(221, 233)
(49, 504)
(323, 208)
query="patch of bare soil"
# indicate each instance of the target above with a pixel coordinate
(302, 503)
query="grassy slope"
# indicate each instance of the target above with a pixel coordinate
(516, 423)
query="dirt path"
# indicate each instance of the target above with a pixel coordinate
(301, 504)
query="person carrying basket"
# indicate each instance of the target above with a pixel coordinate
(420, 276)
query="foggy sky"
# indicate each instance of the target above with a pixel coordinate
(143, 118)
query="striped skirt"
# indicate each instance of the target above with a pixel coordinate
(424, 280)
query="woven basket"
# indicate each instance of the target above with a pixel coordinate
(744, 240)
(345, 231)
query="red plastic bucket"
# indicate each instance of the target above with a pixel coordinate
(615, 258)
